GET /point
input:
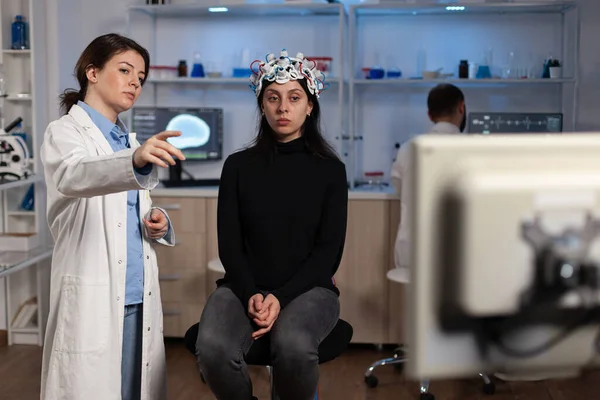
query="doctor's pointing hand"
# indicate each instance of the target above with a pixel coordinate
(157, 150)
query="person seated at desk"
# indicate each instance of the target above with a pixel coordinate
(447, 110)
(282, 215)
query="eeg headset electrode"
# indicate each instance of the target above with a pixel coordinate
(286, 68)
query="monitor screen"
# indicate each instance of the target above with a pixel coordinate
(201, 129)
(507, 123)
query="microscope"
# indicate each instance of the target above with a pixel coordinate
(14, 155)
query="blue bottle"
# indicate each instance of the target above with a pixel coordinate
(19, 34)
(197, 68)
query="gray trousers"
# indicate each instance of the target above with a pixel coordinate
(224, 338)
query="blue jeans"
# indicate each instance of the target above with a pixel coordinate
(131, 364)
(224, 338)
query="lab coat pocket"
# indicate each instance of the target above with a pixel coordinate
(82, 325)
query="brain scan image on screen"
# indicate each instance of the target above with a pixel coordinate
(194, 131)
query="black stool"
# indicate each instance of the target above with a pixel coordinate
(260, 352)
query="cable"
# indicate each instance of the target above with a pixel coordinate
(565, 333)
(188, 174)
(513, 323)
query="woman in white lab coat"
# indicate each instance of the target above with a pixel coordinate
(97, 179)
(447, 110)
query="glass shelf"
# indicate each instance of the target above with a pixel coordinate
(531, 7)
(17, 52)
(21, 182)
(462, 82)
(193, 10)
(214, 81)
(13, 261)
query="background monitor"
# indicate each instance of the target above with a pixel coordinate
(505, 254)
(515, 123)
(201, 129)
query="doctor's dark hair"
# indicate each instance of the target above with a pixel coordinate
(443, 100)
(266, 141)
(97, 54)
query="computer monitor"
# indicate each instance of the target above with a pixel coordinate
(486, 123)
(201, 129)
(505, 254)
(201, 136)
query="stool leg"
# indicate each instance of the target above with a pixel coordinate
(274, 395)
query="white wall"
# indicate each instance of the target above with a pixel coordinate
(385, 116)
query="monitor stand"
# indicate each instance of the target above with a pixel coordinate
(175, 180)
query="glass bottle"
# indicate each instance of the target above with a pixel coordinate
(19, 34)
(182, 69)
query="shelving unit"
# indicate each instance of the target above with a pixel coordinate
(214, 81)
(349, 82)
(24, 274)
(566, 87)
(242, 12)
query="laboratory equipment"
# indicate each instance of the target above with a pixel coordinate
(20, 41)
(505, 258)
(182, 69)
(463, 69)
(484, 70)
(14, 155)
(197, 67)
(502, 122)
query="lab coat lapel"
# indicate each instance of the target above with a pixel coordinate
(83, 119)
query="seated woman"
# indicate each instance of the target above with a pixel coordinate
(281, 227)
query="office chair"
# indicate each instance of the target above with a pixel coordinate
(260, 352)
(401, 275)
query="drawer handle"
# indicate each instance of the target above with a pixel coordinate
(171, 312)
(167, 277)
(169, 206)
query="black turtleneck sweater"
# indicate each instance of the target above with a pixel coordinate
(281, 221)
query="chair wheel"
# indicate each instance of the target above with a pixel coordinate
(426, 396)
(371, 381)
(489, 388)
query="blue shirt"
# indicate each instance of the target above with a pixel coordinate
(118, 138)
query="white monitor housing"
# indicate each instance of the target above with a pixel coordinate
(504, 254)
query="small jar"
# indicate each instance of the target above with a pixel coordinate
(463, 69)
(182, 69)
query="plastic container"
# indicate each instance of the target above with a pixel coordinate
(20, 39)
(323, 64)
(162, 72)
(394, 73)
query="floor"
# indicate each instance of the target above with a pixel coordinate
(340, 379)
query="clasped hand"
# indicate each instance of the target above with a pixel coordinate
(157, 224)
(264, 311)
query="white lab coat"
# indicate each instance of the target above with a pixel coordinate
(400, 175)
(87, 187)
